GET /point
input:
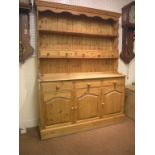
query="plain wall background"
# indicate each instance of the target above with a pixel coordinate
(28, 100)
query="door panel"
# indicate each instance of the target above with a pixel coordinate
(87, 103)
(112, 88)
(55, 94)
(112, 99)
(81, 92)
(112, 102)
(58, 107)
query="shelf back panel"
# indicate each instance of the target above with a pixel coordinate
(48, 66)
(71, 42)
(67, 22)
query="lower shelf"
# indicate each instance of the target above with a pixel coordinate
(77, 127)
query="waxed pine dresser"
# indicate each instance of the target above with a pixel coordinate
(78, 83)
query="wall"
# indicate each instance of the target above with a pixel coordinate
(28, 105)
(28, 109)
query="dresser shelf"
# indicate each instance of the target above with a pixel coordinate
(61, 57)
(112, 36)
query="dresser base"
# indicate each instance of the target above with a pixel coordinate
(56, 131)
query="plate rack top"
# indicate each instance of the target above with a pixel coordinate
(76, 10)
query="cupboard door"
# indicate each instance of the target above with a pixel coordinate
(87, 103)
(112, 99)
(57, 107)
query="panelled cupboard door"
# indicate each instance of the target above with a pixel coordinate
(57, 107)
(87, 103)
(112, 99)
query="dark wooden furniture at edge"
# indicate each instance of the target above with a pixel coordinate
(25, 49)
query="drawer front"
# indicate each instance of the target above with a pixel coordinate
(87, 84)
(114, 81)
(56, 86)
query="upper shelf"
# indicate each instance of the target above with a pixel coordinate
(77, 33)
(76, 10)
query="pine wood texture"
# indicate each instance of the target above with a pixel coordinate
(79, 85)
(81, 76)
(65, 129)
(76, 10)
(48, 66)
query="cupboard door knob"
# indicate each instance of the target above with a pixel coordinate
(48, 54)
(72, 108)
(66, 54)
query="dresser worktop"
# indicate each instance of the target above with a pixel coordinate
(77, 76)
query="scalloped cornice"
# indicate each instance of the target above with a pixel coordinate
(76, 10)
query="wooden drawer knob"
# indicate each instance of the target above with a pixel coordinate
(83, 55)
(57, 87)
(114, 82)
(88, 85)
(66, 54)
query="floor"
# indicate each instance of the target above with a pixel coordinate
(118, 139)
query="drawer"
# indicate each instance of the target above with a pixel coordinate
(87, 84)
(56, 86)
(114, 81)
